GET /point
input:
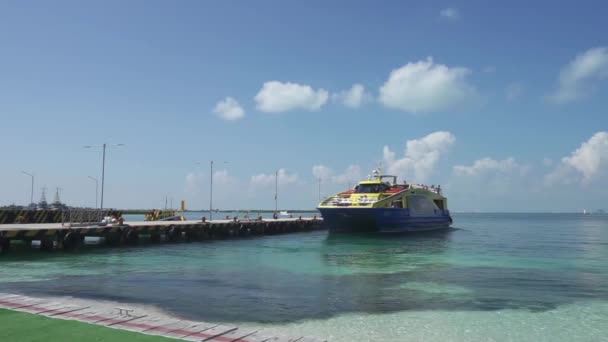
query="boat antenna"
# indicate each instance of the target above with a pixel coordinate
(377, 172)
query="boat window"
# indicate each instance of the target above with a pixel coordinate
(371, 188)
(421, 206)
(439, 204)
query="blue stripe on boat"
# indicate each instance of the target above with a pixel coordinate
(386, 220)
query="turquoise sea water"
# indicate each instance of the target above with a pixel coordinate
(495, 277)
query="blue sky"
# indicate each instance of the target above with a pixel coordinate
(502, 104)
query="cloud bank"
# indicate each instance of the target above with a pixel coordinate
(229, 109)
(352, 174)
(277, 97)
(449, 13)
(577, 79)
(420, 156)
(266, 179)
(425, 86)
(354, 97)
(584, 165)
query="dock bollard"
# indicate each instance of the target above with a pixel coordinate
(234, 219)
(203, 219)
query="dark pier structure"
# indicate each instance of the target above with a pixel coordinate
(69, 236)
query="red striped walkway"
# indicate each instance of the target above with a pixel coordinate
(142, 322)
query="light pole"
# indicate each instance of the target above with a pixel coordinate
(276, 189)
(96, 187)
(103, 166)
(32, 193)
(211, 194)
(211, 188)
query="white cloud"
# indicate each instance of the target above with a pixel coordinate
(424, 86)
(321, 171)
(420, 157)
(576, 79)
(276, 97)
(354, 97)
(352, 174)
(489, 179)
(514, 90)
(486, 165)
(223, 178)
(229, 109)
(585, 164)
(489, 69)
(449, 13)
(265, 179)
(193, 182)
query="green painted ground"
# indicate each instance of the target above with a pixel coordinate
(23, 327)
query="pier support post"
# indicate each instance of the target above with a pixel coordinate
(192, 234)
(173, 234)
(204, 232)
(47, 245)
(72, 240)
(130, 236)
(4, 245)
(112, 238)
(155, 237)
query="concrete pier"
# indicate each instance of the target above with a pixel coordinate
(71, 236)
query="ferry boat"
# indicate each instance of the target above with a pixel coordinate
(380, 204)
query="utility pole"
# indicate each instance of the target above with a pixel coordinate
(103, 172)
(276, 189)
(103, 167)
(211, 194)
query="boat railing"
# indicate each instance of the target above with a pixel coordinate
(432, 188)
(338, 201)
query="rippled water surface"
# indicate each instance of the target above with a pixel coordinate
(524, 277)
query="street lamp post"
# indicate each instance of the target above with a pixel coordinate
(103, 167)
(276, 189)
(32, 193)
(96, 187)
(211, 188)
(211, 194)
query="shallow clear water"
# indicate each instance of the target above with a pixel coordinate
(524, 277)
